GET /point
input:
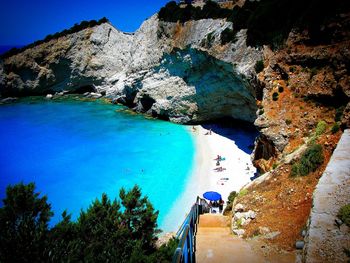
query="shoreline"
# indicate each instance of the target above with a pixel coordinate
(203, 177)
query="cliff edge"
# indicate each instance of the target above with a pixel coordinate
(176, 71)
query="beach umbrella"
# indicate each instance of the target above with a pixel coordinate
(212, 196)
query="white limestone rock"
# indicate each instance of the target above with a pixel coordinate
(160, 69)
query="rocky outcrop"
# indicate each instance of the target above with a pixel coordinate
(179, 72)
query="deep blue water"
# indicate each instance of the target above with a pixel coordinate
(74, 151)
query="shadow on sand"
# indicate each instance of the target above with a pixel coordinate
(242, 133)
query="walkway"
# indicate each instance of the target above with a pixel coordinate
(216, 243)
(326, 241)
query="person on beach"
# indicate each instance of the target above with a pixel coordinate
(208, 132)
(221, 205)
(217, 163)
(219, 169)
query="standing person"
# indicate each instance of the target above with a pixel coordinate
(221, 205)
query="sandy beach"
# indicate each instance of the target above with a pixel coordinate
(237, 165)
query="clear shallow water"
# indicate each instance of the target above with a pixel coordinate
(75, 151)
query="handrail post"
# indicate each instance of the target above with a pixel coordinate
(186, 250)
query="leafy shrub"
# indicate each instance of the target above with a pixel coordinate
(339, 113)
(275, 96)
(288, 121)
(230, 200)
(313, 72)
(259, 66)
(172, 12)
(227, 35)
(292, 69)
(274, 166)
(243, 192)
(311, 159)
(335, 128)
(344, 214)
(280, 89)
(232, 196)
(320, 128)
(261, 112)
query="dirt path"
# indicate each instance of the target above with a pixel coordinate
(215, 243)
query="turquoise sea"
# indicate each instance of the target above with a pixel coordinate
(74, 151)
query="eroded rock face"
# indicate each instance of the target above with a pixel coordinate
(177, 72)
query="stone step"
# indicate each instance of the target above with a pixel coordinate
(213, 220)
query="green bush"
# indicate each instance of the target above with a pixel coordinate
(335, 128)
(280, 89)
(261, 112)
(320, 128)
(227, 35)
(229, 203)
(311, 159)
(292, 69)
(313, 72)
(232, 196)
(275, 96)
(344, 214)
(243, 192)
(339, 113)
(288, 121)
(259, 66)
(172, 12)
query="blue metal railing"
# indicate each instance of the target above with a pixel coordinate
(185, 252)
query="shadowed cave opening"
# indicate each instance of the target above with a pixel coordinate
(220, 91)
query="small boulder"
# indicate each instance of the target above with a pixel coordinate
(238, 232)
(299, 244)
(264, 230)
(272, 235)
(95, 95)
(239, 208)
(250, 214)
(8, 100)
(239, 215)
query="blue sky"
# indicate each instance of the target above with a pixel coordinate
(24, 21)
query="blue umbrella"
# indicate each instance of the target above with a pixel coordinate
(213, 196)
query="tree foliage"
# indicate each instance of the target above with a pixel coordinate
(108, 231)
(23, 224)
(172, 12)
(268, 22)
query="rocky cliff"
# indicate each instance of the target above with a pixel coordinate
(179, 72)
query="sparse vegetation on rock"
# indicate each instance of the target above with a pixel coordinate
(259, 66)
(309, 161)
(320, 128)
(344, 214)
(227, 35)
(76, 28)
(275, 96)
(230, 201)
